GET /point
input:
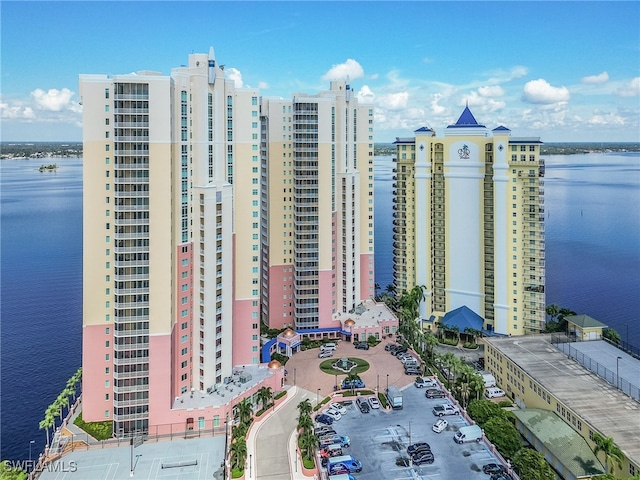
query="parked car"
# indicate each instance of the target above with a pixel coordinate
(493, 468)
(326, 419)
(328, 346)
(425, 383)
(363, 405)
(373, 402)
(338, 406)
(335, 414)
(423, 457)
(362, 346)
(325, 353)
(418, 447)
(501, 476)
(389, 346)
(493, 392)
(338, 469)
(342, 440)
(408, 359)
(347, 384)
(412, 371)
(400, 349)
(445, 409)
(440, 425)
(434, 393)
(324, 430)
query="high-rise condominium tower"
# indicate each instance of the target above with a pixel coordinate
(206, 208)
(317, 207)
(469, 224)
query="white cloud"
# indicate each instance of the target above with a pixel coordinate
(16, 111)
(541, 92)
(53, 100)
(351, 68)
(235, 75)
(394, 101)
(365, 95)
(437, 109)
(600, 78)
(491, 91)
(630, 89)
(263, 85)
(606, 119)
(374, 76)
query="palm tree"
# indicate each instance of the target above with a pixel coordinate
(432, 342)
(612, 454)
(52, 411)
(238, 451)
(305, 407)
(264, 395)
(473, 333)
(239, 431)
(305, 423)
(308, 442)
(244, 411)
(552, 310)
(448, 359)
(464, 391)
(476, 384)
(47, 422)
(62, 401)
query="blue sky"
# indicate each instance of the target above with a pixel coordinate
(563, 71)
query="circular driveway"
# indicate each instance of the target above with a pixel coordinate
(303, 369)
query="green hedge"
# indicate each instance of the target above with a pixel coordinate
(98, 430)
(280, 395)
(237, 473)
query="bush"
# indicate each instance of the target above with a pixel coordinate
(98, 430)
(530, 464)
(470, 346)
(503, 435)
(383, 400)
(280, 395)
(449, 341)
(308, 464)
(237, 473)
(283, 359)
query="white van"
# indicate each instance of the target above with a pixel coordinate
(328, 346)
(493, 392)
(471, 433)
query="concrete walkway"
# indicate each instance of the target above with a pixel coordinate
(271, 444)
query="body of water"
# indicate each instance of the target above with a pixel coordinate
(593, 267)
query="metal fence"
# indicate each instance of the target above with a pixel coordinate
(600, 370)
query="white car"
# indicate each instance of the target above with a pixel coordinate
(493, 393)
(374, 402)
(325, 353)
(339, 407)
(425, 383)
(335, 414)
(440, 425)
(409, 359)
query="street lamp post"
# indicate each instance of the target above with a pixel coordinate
(377, 383)
(31, 442)
(387, 382)
(250, 462)
(317, 396)
(617, 372)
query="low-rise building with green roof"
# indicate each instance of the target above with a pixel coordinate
(565, 449)
(583, 327)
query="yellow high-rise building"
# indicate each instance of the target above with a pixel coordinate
(469, 224)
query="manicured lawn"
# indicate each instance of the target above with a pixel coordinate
(98, 430)
(327, 367)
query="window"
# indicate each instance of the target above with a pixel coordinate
(183, 339)
(106, 414)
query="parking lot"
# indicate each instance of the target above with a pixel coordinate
(380, 437)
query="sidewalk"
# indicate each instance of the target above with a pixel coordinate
(269, 434)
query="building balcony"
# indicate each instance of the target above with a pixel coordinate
(130, 361)
(131, 388)
(124, 375)
(131, 416)
(130, 346)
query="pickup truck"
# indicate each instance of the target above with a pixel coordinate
(445, 409)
